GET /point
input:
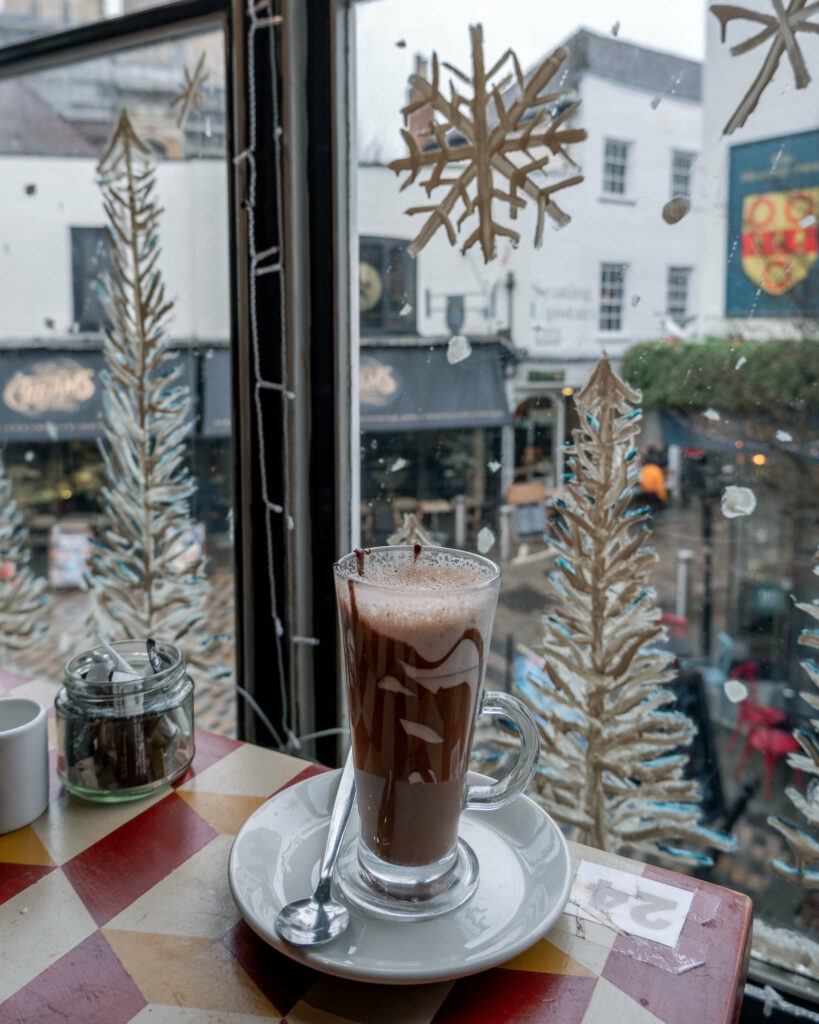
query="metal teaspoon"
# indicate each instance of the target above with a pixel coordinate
(309, 922)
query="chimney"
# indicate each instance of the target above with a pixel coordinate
(418, 122)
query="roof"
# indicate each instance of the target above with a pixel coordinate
(663, 74)
(30, 127)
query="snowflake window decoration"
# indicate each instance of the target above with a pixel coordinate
(191, 94)
(500, 142)
(782, 27)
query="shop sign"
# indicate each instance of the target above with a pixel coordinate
(779, 238)
(417, 388)
(50, 395)
(54, 385)
(773, 229)
(546, 376)
(378, 383)
(560, 306)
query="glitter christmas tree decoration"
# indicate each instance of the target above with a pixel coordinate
(804, 845)
(488, 148)
(23, 600)
(145, 575)
(612, 763)
(411, 531)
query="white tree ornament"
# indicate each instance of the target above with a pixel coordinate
(612, 763)
(23, 600)
(145, 575)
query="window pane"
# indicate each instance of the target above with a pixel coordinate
(612, 280)
(55, 254)
(681, 169)
(690, 257)
(615, 167)
(90, 259)
(678, 297)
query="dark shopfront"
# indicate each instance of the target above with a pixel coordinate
(431, 432)
(765, 563)
(50, 406)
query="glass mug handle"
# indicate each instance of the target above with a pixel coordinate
(517, 779)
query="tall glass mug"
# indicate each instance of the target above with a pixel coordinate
(416, 624)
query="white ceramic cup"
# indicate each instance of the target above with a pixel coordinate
(23, 762)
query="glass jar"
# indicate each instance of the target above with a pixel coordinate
(122, 739)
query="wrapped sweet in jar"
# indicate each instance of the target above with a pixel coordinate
(124, 720)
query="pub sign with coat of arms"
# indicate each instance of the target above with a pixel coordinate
(773, 228)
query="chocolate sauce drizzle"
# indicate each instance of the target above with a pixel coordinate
(384, 750)
(359, 559)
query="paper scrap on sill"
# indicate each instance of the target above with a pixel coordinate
(630, 903)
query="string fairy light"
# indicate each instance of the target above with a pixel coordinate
(261, 17)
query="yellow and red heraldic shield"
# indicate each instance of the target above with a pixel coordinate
(779, 238)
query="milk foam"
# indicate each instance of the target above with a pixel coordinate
(420, 576)
(427, 569)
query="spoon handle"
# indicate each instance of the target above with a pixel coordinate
(338, 821)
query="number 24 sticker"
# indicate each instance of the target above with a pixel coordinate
(605, 897)
(634, 904)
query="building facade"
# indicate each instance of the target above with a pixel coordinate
(620, 272)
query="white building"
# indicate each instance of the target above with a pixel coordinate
(616, 275)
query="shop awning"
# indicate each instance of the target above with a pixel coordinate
(417, 389)
(730, 433)
(56, 395)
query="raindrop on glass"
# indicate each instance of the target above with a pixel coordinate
(486, 540)
(458, 349)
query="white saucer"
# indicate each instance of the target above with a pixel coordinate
(525, 878)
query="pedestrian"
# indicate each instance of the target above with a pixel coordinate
(652, 480)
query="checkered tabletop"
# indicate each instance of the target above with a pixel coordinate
(114, 913)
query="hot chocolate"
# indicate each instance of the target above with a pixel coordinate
(416, 637)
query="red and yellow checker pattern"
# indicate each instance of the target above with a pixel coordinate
(111, 914)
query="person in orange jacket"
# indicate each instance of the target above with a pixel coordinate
(652, 481)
